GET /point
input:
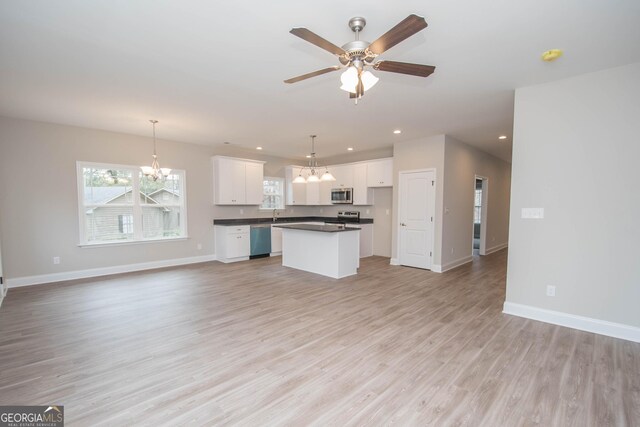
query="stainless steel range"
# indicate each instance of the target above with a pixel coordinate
(344, 218)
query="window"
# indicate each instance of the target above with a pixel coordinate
(477, 208)
(272, 193)
(119, 204)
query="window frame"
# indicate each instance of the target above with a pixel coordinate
(283, 195)
(136, 206)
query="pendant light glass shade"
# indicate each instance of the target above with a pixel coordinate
(326, 176)
(299, 180)
(313, 177)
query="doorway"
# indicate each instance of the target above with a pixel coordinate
(416, 218)
(478, 239)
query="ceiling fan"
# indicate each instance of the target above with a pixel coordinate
(357, 55)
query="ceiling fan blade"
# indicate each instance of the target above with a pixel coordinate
(313, 74)
(313, 38)
(405, 68)
(405, 29)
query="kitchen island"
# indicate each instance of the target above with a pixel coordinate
(329, 250)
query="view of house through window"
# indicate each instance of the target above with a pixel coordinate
(273, 193)
(119, 204)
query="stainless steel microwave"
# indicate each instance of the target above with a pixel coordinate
(342, 196)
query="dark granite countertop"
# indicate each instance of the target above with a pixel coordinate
(285, 219)
(327, 228)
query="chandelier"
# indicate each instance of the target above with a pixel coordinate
(154, 171)
(314, 175)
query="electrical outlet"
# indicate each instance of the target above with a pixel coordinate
(551, 291)
(56, 260)
(241, 211)
(199, 246)
(387, 212)
(453, 251)
(321, 210)
(493, 238)
(368, 211)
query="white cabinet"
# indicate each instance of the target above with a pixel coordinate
(343, 175)
(380, 173)
(276, 240)
(237, 181)
(296, 193)
(232, 243)
(366, 240)
(362, 195)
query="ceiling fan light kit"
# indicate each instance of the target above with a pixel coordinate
(358, 54)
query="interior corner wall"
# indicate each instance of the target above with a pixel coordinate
(575, 154)
(424, 153)
(461, 165)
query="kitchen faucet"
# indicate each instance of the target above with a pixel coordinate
(275, 215)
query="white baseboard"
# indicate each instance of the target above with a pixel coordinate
(103, 271)
(394, 261)
(602, 327)
(456, 263)
(436, 268)
(495, 248)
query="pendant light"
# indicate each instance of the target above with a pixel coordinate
(314, 175)
(154, 171)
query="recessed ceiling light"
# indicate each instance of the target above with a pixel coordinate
(551, 55)
(502, 137)
(226, 143)
(397, 131)
(308, 156)
(350, 149)
(258, 148)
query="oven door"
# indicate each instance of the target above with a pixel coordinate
(342, 195)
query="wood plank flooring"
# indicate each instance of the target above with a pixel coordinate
(253, 343)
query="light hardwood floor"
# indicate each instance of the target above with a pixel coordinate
(253, 343)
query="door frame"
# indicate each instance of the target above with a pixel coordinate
(483, 214)
(433, 199)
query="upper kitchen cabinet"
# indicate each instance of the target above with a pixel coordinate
(362, 195)
(237, 181)
(343, 175)
(380, 173)
(296, 193)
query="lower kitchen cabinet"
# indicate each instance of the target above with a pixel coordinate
(366, 240)
(232, 243)
(276, 241)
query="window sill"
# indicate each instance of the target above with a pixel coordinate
(131, 242)
(271, 209)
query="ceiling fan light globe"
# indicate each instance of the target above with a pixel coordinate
(349, 80)
(368, 80)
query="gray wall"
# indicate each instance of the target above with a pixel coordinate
(422, 153)
(456, 165)
(575, 154)
(39, 207)
(462, 163)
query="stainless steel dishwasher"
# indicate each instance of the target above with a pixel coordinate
(260, 240)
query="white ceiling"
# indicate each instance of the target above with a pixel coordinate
(212, 71)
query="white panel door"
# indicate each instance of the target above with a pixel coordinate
(416, 215)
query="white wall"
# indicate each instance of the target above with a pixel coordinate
(576, 154)
(462, 163)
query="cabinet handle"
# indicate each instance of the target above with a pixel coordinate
(239, 237)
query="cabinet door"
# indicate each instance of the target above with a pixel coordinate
(313, 193)
(297, 193)
(380, 173)
(229, 175)
(325, 192)
(254, 182)
(362, 195)
(276, 239)
(343, 175)
(238, 245)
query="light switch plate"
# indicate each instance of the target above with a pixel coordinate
(532, 213)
